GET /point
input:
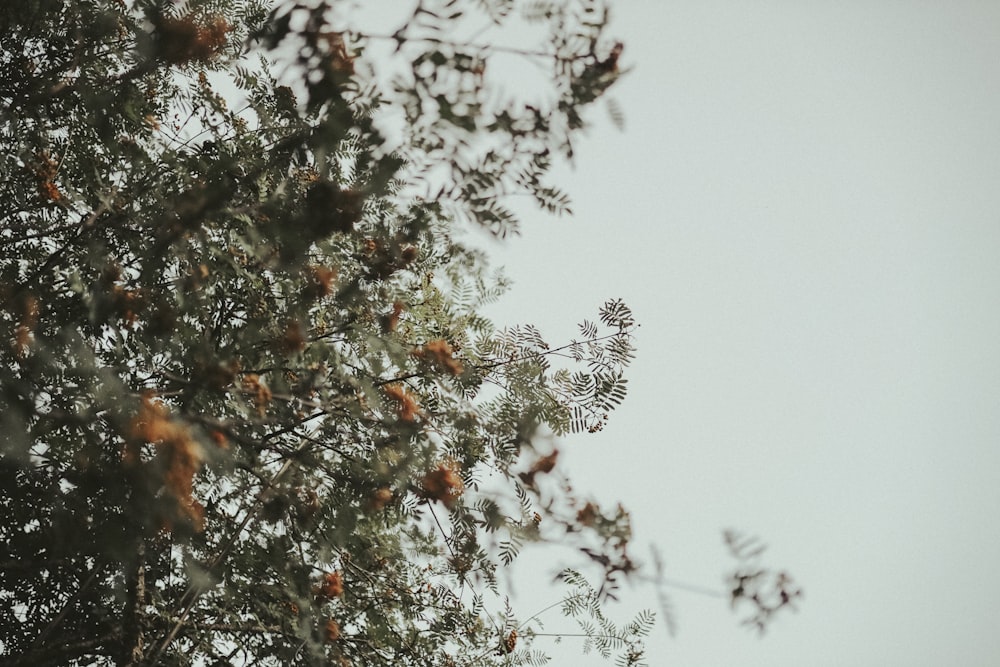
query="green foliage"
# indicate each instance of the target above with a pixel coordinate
(250, 410)
(601, 634)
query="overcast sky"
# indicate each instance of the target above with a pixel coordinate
(804, 214)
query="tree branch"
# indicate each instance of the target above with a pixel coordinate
(61, 652)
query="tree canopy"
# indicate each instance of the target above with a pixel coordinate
(252, 412)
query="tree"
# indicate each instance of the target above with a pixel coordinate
(251, 411)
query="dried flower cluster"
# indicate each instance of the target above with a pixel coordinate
(27, 320)
(588, 515)
(406, 406)
(332, 629)
(293, 338)
(545, 464)
(320, 285)
(382, 497)
(330, 586)
(443, 484)
(126, 304)
(440, 353)
(178, 456)
(45, 169)
(187, 39)
(391, 319)
(338, 62)
(258, 392)
(511, 642)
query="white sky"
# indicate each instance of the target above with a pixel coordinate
(804, 214)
